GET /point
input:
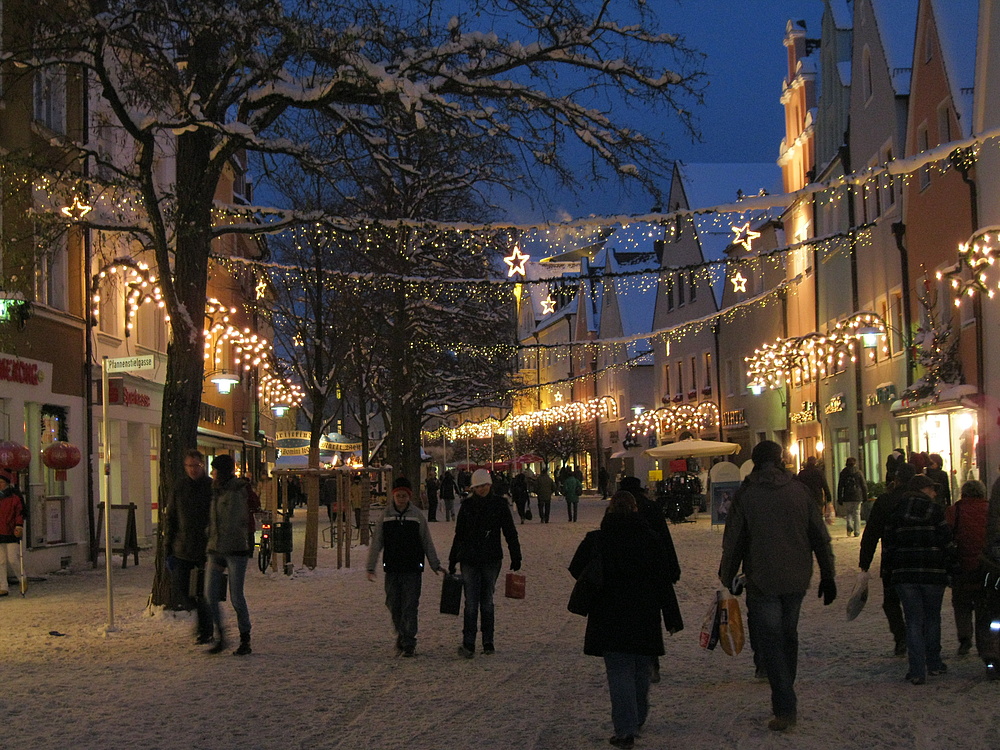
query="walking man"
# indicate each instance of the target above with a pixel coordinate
(185, 523)
(481, 519)
(544, 487)
(773, 529)
(404, 539)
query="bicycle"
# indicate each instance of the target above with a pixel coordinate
(264, 553)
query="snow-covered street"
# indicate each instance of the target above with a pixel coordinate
(324, 674)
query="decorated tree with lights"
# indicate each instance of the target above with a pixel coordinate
(936, 348)
(187, 87)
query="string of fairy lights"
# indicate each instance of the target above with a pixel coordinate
(604, 407)
(810, 356)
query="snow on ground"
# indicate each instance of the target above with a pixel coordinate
(324, 675)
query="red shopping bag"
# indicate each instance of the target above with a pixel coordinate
(514, 588)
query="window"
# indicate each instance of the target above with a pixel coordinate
(693, 287)
(51, 275)
(731, 377)
(694, 373)
(680, 289)
(708, 372)
(50, 98)
(680, 377)
(666, 381)
(944, 123)
(670, 292)
(923, 144)
(873, 456)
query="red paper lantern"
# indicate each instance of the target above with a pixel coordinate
(14, 456)
(61, 456)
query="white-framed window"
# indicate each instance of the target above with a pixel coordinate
(50, 98)
(52, 274)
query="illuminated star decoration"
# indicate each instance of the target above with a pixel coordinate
(515, 261)
(739, 282)
(558, 396)
(261, 289)
(77, 211)
(548, 305)
(745, 236)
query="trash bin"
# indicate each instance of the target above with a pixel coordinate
(281, 537)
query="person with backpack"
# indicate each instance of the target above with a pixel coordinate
(851, 492)
(230, 545)
(11, 526)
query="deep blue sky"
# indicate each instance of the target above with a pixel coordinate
(742, 118)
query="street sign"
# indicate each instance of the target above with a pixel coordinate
(128, 364)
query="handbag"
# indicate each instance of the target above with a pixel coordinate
(587, 587)
(514, 588)
(451, 594)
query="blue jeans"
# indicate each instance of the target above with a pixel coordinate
(852, 511)
(402, 597)
(628, 683)
(479, 582)
(922, 610)
(775, 626)
(237, 566)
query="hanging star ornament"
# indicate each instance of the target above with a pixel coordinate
(745, 236)
(515, 261)
(739, 282)
(548, 305)
(559, 397)
(76, 211)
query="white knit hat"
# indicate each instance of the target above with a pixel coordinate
(480, 476)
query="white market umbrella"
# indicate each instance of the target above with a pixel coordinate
(692, 449)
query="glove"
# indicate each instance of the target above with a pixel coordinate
(738, 584)
(515, 564)
(827, 590)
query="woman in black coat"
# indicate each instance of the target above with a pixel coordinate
(623, 625)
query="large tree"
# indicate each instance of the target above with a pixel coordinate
(204, 82)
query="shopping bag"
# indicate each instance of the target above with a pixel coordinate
(709, 635)
(451, 594)
(515, 586)
(858, 597)
(731, 635)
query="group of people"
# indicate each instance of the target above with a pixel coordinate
(209, 538)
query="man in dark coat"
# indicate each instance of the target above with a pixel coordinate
(186, 538)
(482, 517)
(812, 476)
(875, 528)
(851, 492)
(432, 485)
(773, 530)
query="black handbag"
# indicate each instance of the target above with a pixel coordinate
(588, 587)
(451, 594)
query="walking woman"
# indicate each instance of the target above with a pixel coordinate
(230, 546)
(623, 625)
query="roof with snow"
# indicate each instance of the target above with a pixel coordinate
(897, 27)
(957, 23)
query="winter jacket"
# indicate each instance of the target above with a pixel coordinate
(967, 519)
(626, 615)
(478, 527)
(851, 487)
(654, 518)
(944, 482)
(11, 516)
(404, 539)
(229, 519)
(814, 478)
(572, 488)
(544, 487)
(881, 510)
(918, 547)
(448, 486)
(773, 529)
(185, 519)
(432, 486)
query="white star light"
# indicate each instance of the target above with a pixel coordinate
(558, 396)
(548, 305)
(739, 282)
(745, 236)
(515, 261)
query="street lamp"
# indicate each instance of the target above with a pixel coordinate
(225, 381)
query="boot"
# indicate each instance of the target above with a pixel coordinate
(244, 648)
(220, 645)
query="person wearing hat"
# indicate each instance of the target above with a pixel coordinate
(920, 554)
(476, 547)
(874, 532)
(773, 530)
(404, 539)
(229, 548)
(11, 526)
